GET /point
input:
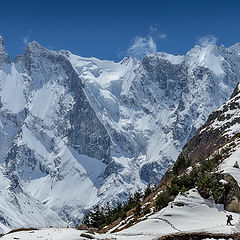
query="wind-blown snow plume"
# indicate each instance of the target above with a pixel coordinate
(207, 40)
(142, 46)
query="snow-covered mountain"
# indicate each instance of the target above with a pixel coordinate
(199, 191)
(75, 131)
(215, 150)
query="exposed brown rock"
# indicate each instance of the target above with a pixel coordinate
(198, 236)
(209, 139)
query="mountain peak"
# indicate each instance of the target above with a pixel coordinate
(2, 48)
(1, 39)
(4, 58)
(207, 56)
(235, 47)
(34, 47)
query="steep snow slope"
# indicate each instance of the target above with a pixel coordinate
(228, 164)
(78, 131)
(20, 209)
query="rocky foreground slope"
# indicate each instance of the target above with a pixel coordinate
(76, 131)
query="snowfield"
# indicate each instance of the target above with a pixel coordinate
(227, 165)
(194, 214)
(48, 234)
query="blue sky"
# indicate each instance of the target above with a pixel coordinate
(113, 29)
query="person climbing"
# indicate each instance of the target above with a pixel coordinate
(229, 219)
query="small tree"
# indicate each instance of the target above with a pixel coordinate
(181, 164)
(146, 209)
(162, 200)
(183, 189)
(137, 196)
(173, 190)
(148, 191)
(138, 210)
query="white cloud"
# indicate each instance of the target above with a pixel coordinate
(163, 36)
(142, 46)
(155, 33)
(207, 40)
(25, 40)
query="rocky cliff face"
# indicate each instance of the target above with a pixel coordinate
(76, 131)
(221, 127)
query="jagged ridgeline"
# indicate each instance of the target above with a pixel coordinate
(76, 132)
